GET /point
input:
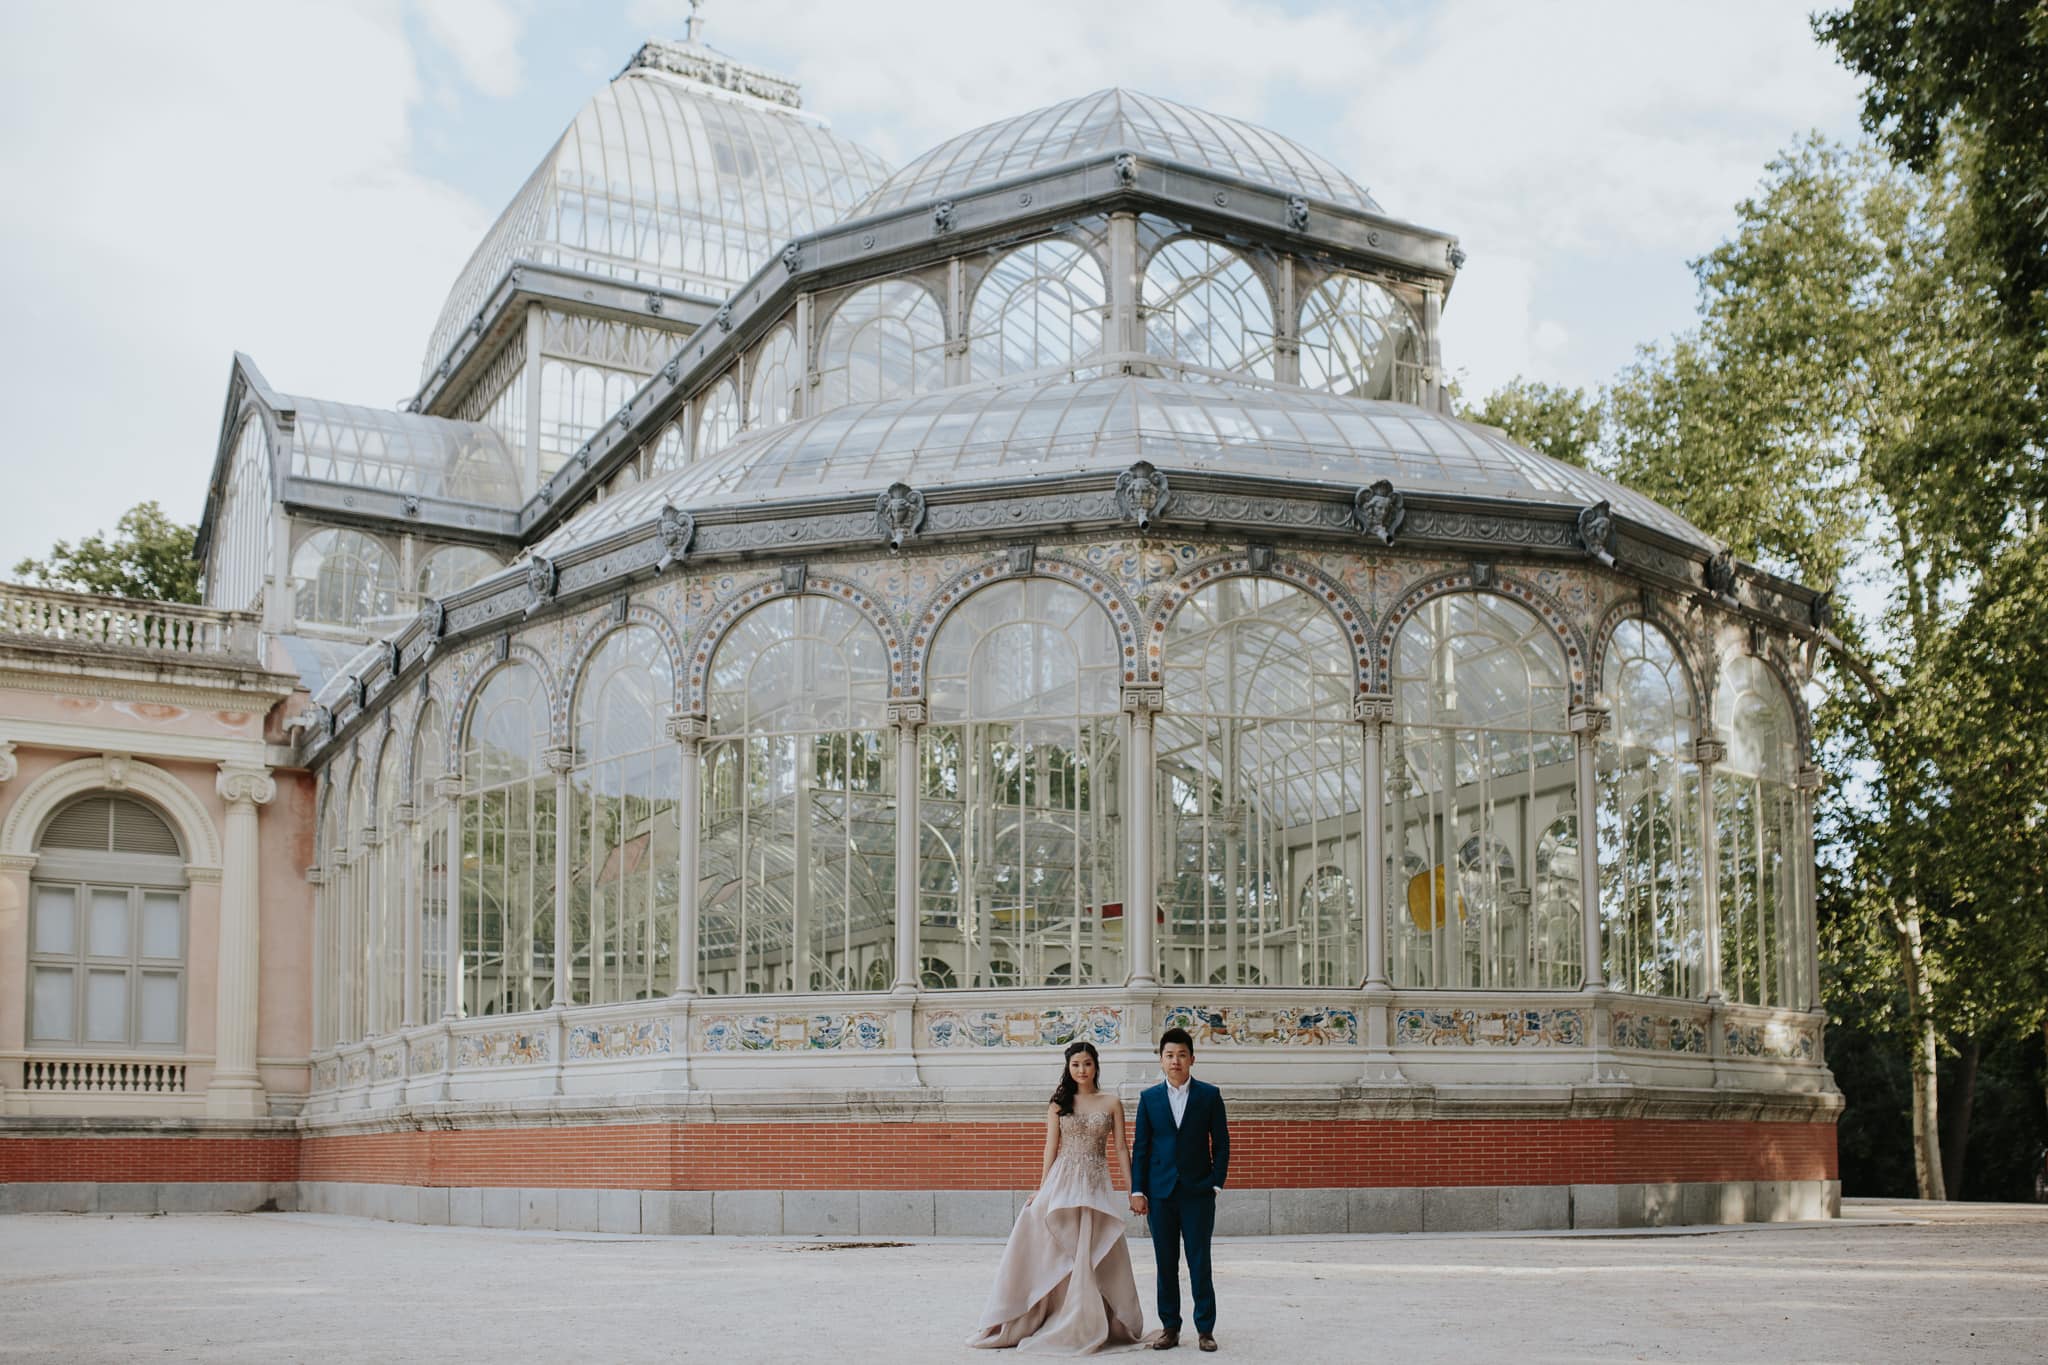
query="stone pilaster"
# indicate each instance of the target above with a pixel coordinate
(237, 1090)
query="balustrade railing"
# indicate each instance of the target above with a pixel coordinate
(125, 623)
(85, 1076)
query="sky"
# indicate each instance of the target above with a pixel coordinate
(303, 181)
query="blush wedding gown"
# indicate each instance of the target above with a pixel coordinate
(1065, 1285)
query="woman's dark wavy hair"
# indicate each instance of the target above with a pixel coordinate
(1063, 1094)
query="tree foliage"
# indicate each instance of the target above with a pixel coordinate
(149, 556)
(1550, 419)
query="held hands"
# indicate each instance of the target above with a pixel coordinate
(1139, 1204)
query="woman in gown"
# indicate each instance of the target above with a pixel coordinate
(1065, 1285)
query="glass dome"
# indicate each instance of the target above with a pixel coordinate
(1109, 121)
(686, 172)
(987, 434)
(402, 452)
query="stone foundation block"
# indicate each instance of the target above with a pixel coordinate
(466, 1207)
(973, 1213)
(821, 1213)
(618, 1210)
(746, 1213)
(1461, 1210)
(1596, 1206)
(435, 1205)
(501, 1207)
(576, 1210)
(897, 1213)
(1663, 1204)
(1308, 1212)
(1525, 1208)
(677, 1213)
(1387, 1210)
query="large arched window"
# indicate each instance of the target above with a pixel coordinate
(1481, 801)
(885, 340)
(1205, 305)
(343, 578)
(1261, 791)
(430, 859)
(358, 930)
(622, 884)
(1041, 306)
(1022, 864)
(777, 380)
(330, 912)
(1756, 814)
(107, 930)
(508, 848)
(718, 419)
(452, 568)
(388, 937)
(798, 848)
(244, 533)
(1652, 884)
(1359, 340)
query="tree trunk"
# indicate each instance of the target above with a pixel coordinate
(1920, 1017)
(1955, 1145)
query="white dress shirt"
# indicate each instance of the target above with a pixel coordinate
(1177, 1100)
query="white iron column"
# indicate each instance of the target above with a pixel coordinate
(559, 762)
(407, 835)
(1708, 752)
(370, 915)
(448, 787)
(236, 1088)
(687, 733)
(908, 718)
(1124, 331)
(1432, 347)
(1807, 938)
(1375, 711)
(1586, 724)
(1140, 896)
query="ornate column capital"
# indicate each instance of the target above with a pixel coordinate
(681, 727)
(245, 784)
(1587, 720)
(9, 765)
(1373, 708)
(1144, 701)
(406, 814)
(316, 875)
(448, 786)
(559, 758)
(1708, 750)
(907, 714)
(1807, 779)
(370, 837)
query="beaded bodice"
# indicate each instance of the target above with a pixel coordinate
(1084, 1141)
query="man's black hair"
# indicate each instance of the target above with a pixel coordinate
(1177, 1035)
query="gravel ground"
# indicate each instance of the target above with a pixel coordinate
(1890, 1281)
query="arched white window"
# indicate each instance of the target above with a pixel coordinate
(622, 883)
(508, 848)
(330, 912)
(359, 930)
(777, 381)
(107, 930)
(343, 578)
(388, 935)
(430, 859)
(1481, 799)
(1261, 784)
(671, 451)
(1041, 306)
(1758, 844)
(452, 568)
(244, 534)
(1652, 882)
(1357, 339)
(1022, 866)
(1204, 305)
(799, 834)
(885, 340)
(719, 420)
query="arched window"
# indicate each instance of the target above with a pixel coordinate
(575, 400)
(1652, 884)
(430, 859)
(452, 568)
(1481, 798)
(245, 532)
(1204, 305)
(392, 852)
(1261, 790)
(777, 381)
(672, 451)
(884, 340)
(1756, 814)
(799, 836)
(622, 884)
(330, 913)
(1022, 852)
(343, 578)
(107, 929)
(508, 848)
(1359, 340)
(1043, 305)
(719, 421)
(358, 929)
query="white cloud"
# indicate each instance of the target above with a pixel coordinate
(483, 37)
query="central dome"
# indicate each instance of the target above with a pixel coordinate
(1110, 121)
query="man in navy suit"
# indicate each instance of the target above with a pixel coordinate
(1178, 1160)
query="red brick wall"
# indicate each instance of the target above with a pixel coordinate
(1266, 1154)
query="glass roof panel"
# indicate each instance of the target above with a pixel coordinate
(402, 452)
(1108, 121)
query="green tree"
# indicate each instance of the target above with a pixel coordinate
(1549, 419)
(149, 557)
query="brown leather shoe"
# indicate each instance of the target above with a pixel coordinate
(1166, 1340)
(1206, 1342)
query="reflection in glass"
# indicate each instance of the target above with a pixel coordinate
(452, 568)
(1358, 340)
(1758, 844)
(343, 578)
(508, 848)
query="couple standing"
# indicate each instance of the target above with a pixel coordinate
(1065, 1284)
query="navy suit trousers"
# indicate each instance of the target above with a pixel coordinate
(1183, 1220)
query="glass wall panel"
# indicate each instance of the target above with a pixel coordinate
(246, 528)
(672, 451)
(575, 400)
(719, 421)
(343, 578)
(1756, 812)
(508, 848)
(1261, 774)
(387, 949)
(430, 859)
(1041, 306)
(777, 381)
(1357, 339)
(1652, 881)
(622, 884)
(1204, 304)
(1482, 793)
(1021, 869)
(884, 340)
(798, 841)
(452, 568)
(331, 906)
(359, 931)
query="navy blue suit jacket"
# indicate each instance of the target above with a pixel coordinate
(1192, 1159)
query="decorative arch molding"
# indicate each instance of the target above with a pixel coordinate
(1547, 608)
(388, 736)
(1698, 672)
(465, 696)
(1353, 619)
(593, 640)
(84, 775)
(409, 732)
(978, 274)
(727, 614)
(1780, 669)
(1123, 615)
(1264, 266)
(917, 279)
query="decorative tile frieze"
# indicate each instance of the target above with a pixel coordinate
(428, 1055)
(1430, 1027)
(505, 1047)
(620, 1038)
(1775, 1040)
(1686, 1034)
(1266, 1025)
(389, 1065)
(356, 1070)
(1055, 1026)
(856, 1031)
(326, 1074)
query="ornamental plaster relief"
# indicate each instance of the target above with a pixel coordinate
(852, 1031)
(1682, 1033)
(1285, 1025)
(1428, 1027)
(1053, 1026)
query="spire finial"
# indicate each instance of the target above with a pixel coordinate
(693, 27)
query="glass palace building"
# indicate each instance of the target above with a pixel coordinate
(821, 638)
